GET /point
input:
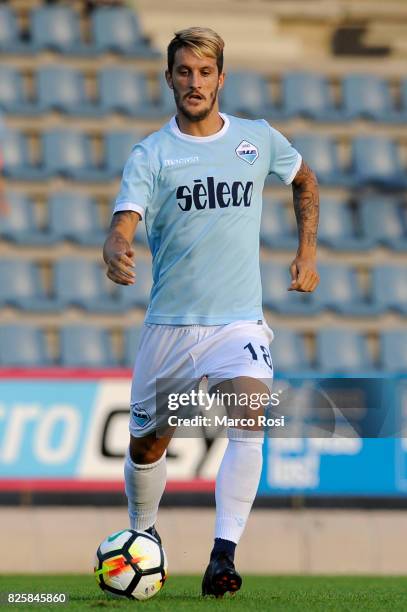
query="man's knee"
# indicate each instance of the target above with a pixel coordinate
(148, 449)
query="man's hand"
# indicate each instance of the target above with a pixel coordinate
(120, 267)
(117, 251)
(304, 274)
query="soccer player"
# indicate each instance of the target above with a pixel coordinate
(197, 184)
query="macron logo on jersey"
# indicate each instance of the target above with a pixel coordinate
(209, 194)
(247, 151)
(182, 161)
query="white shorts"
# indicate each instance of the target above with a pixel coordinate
(192, 352)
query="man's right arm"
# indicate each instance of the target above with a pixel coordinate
(117, 250)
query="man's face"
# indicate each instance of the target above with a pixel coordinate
(195, 81)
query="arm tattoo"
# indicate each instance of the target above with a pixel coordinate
(306, 205)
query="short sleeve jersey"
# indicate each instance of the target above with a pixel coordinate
(201, 200)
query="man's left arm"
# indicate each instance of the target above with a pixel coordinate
(303, 269)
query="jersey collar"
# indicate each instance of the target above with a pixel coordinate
(175, 129)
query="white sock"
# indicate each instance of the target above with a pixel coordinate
(145, 485)
(237, 482)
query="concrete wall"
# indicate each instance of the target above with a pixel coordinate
(59, 540)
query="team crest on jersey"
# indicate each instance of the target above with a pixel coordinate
(247, 151)
(140, 416)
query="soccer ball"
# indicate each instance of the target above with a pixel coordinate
(131, 564)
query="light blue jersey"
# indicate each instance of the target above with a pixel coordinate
(201, 198)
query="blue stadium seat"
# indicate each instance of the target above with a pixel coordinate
(131, 344)
(340, 291)
(288, 351)
(17, 162)
(85, 346)
(246, 93)
(68, 153)
(377, 162)
(394, 350)
(75, 217)
(320, 152)
(342, 350)
(308, 95)
(118, 146)
(276, 230)
(390, 287)
(18, 224)
(61, 88)
(367, 96)
(275, 282)
(117, 30)
(138, 294)
(338, 228)
(125, 91)
(23, 346)
(10, 41)
(12, 97)
(165, 104)
(83, 283)
(57, 28)
(21, 286)
(383, 221)
(402, 114)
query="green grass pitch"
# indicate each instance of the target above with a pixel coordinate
(259, 593)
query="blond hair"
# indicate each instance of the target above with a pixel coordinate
(204, 42)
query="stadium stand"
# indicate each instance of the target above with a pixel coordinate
(86, 346)
(78, 89)
(23, 346)
(62, 89)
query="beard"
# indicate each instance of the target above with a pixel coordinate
(198, 115)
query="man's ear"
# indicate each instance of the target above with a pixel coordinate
(221, 81)
(168, 78)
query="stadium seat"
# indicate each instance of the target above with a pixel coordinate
(131, 343)
(125, 91)
(22, 346)
(246, 93)
(18, 224)
(118, 146)
(394, 350)
(308, 95)
(56, 28)
(338, 228)
(367, 96)
(339, 290)
(138, 294)
(288, 351)
(276, 231)
(12, 98)
(61, 88)
(10, 41)
(68, 153)
(320, 152)
(376, 161)
(164, 104)
(383, 221)
(275, 282)
(75, 217)
(342, 350)
(402, 114)
(117, 30)
(83, 283)
(84, 346)
(17, 162)
(21, 286)
(390, 287)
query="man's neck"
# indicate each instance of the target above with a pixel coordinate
(207, 127)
